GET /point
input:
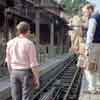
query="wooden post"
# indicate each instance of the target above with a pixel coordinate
(37, 30)
(51, 39)
(5, 36)
(52, 35)
(11, 29)
(61, 41)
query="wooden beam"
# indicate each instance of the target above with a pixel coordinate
(19, 13)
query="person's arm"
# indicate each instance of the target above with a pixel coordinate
(34, 64)
(90, 32)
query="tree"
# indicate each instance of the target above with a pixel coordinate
(72, 6)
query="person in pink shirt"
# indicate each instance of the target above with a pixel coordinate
(22, 64)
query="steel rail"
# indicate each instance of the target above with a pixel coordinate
(70, 86)
(51, 81)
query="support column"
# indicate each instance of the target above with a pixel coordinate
(52, 34)
(15, 23)
(67, 42)
(61, 41)
(11, 29)
(9, 34)
(51, 54)
(37, 30)
(5, 35)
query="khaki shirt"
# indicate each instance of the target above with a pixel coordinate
(77, 42)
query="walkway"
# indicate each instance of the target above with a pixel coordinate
(86, 96)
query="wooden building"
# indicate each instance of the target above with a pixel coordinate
(45, 18)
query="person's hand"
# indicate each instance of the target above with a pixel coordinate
(37, 86)
(74, 50)
(86, 52)
(83, 67)
(36, 83)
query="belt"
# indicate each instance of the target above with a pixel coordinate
(22, 69)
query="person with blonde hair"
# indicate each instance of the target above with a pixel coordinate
(77, 40)
(92, 48)
(22, 64)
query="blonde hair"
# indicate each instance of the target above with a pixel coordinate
(76, 20)
(23, 27)
(87, 6)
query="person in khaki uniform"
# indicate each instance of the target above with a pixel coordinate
(77, 40)
(93, 47)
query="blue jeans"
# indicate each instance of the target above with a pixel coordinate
(21, 84)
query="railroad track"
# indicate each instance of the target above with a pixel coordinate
(61, 83)
(64, 85)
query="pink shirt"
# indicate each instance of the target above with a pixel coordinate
(21, 54)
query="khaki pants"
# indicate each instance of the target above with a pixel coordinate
(93, 78)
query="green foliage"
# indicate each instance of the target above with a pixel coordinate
(73, 7)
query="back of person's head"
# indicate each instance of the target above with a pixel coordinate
(88, 10)
(87, 7)
(23, 27)
(76, 20)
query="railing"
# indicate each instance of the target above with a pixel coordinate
(45, 52)
(30, 1)
(16, 11)
(19, 12)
